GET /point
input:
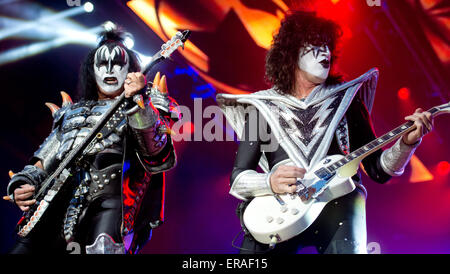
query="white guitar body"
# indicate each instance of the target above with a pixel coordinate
(269, 219)
(276, 218)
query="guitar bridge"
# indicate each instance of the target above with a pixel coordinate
(278, 198)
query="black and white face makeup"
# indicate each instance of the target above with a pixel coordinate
(315, 60)
(111, 63)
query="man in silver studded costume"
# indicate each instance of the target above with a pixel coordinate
(118, 188)
(306, 115)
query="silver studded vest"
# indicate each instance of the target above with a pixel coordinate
(72, 124)
(80, 119)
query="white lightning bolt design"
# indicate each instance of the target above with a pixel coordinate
(296, 134)
(322, 114)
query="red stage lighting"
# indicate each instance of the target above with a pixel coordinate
(335, 1)
(188, 128)
(403, 93)
(443, 168)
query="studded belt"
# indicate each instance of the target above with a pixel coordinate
(105, 181)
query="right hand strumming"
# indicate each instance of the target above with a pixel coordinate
(284, 178)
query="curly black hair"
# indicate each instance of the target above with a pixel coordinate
(297, 29)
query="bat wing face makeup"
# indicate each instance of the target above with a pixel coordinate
(111, 64)
(315, 60)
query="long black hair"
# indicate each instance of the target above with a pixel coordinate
(87, 87)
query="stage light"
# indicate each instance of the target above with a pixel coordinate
(108, 25)
(403, 93)
(129, 42)
(443, 168)
(43, 20)
(88, 7)
(419, 172)
(335, 1)
(87, 37)
(144, 59)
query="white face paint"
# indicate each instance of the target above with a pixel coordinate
(315, 60)
(111, 68)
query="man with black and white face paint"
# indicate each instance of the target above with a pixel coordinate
(97, 215)
(311, 113)
(315, 62)
(111, 64)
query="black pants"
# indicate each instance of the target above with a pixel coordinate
(103, 215)
(339, 229)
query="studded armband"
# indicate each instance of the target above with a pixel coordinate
(31, 175)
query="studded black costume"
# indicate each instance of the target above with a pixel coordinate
(114, 193)
(95, 206)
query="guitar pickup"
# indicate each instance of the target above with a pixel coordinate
(278, 198)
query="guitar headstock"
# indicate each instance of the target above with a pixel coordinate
(167, 49)
(176, 41)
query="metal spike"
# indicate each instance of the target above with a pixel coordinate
(11, 174)
(156, 80)
(66, 98)
(139, 100)
(163, 85)
(166, 129)
(53, 108)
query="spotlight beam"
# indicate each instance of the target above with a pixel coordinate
(87, 37)
(30, 25)
(42, 32)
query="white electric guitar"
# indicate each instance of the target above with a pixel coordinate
(276, 218)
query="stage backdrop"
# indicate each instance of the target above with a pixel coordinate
(407, 40)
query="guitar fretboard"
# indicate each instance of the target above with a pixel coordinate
(377, 143)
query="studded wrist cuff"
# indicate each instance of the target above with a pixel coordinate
(394, 160)
(31, 174)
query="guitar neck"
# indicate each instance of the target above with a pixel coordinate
(378, 143)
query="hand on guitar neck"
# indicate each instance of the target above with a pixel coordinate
(23, 194)
(283, 179)
(423, 122)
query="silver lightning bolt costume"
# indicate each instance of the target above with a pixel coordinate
(305, 128)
